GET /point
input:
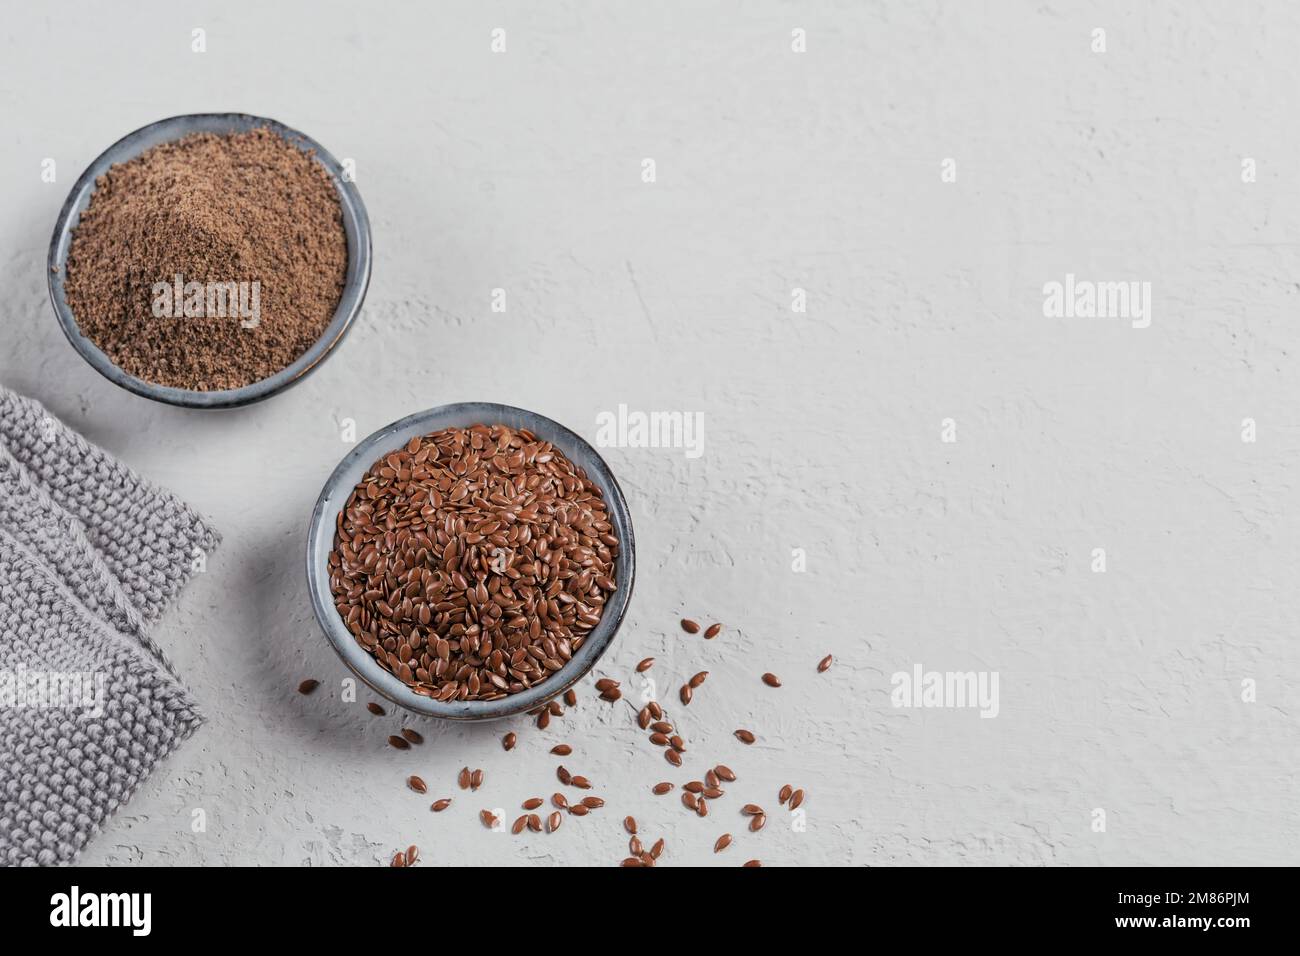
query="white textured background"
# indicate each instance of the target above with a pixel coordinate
(775, 170)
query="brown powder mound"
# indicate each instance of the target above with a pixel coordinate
(244, 208)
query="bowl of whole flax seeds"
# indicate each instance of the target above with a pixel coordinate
(472, 561)
(210, 260)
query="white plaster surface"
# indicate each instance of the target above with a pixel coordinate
(775, 170)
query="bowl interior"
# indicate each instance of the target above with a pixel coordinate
(350, 471)
(355, 224)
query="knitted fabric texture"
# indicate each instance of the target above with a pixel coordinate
(90, 556)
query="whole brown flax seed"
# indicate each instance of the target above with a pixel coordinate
(307, 686)
(713, 631)
(473, 563)
(771, 680)
(824, 664)
(745, 736)
(689, 626)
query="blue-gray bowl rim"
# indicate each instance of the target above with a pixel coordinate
(339, 486)
(356, 224)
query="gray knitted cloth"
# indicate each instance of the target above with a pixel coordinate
(90, 557)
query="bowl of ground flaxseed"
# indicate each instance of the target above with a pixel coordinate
(472, 561)
(210, 260)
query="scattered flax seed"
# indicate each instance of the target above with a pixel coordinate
(571, 697)
(476, 779)
(562, 750)
(582, 783)
(796, 799)
(673, 757)
(508, 741)
(307, 686)
(629, 824)
(463, 778)
(645, 665)
(677, 743)
(543, 720)
(713, 631)
(725, 773)
(606, 683)
(685, 694)
(412, 736)
(694, 786)
(711, 779)
(643, 718)
(745, 736)
(560, 801)
(412, 854)
(532, 803)
(632, 861)
(399, 859)
(722, 843)
(657, 850)
(698, 679)
(689, 800)
(398, 742)
(702, 808)
(634, 846)
(440, 805)
(578, 810)
(518, 826)
(375, 709)
(712, 793)
(553, 821)
(689, 626)
(659, 789)
(555, 708)
(659, 740)
(534, 823)
(661, 727)
(488, 817)
(752, 809)
(753, 863)
(757, 821)
(417, 784)
(656, 711)
(771, 680)
(563, 775)
(784, 795)
(611, 695)
(824, 664)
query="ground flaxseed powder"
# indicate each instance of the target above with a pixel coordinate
(247, 215)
